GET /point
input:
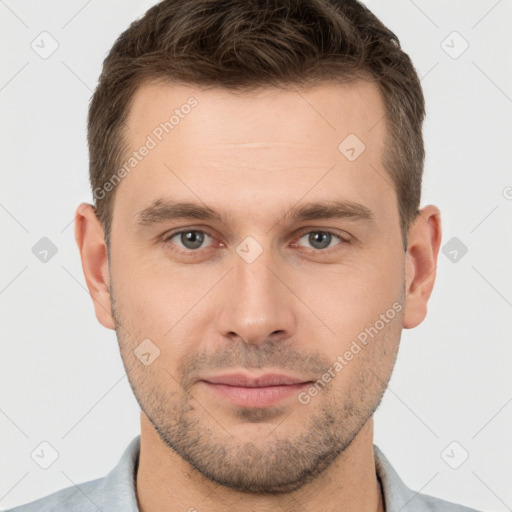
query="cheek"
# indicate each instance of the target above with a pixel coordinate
(144, 285)
(158, 301)
(349, 298)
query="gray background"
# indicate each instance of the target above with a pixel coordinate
(62, 379)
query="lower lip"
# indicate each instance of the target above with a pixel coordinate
(256, 397)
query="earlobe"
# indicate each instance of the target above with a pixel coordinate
(90, 239)
(421, 264)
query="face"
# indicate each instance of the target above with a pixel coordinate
(287, 260)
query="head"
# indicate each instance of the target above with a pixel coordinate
(256, 168)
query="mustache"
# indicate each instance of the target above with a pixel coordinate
(278, 356)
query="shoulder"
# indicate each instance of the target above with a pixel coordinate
(113, 492)
(81, 498)
(398, 497)
(433, 504)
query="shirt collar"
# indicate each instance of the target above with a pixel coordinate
(396, 494)
(119, 486)
(118, 492)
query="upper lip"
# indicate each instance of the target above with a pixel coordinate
(267, 379)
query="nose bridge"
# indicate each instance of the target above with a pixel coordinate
(256, 304)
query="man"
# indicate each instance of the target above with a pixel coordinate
(257, 244)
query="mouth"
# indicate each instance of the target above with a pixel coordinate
(257, 392)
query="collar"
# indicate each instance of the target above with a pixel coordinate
(119, 485)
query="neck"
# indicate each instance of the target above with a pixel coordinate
(166, 482)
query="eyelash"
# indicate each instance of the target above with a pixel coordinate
(343, 241)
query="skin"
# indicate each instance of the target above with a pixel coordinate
(293, 310)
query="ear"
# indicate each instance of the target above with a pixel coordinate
(90, 239)
(421, 262)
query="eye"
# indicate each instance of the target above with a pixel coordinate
(191, 239)
(321, 240)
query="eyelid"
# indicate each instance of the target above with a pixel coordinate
(315, 229)
(344, 240)
(166, 237)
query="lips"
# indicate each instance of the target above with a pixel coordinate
(269, 379)
(257, 392)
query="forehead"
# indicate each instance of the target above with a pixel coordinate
(227, 148)
(270, 113)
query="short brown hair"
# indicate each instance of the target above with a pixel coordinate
(245, 44)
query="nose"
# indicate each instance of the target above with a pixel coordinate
(257, 306)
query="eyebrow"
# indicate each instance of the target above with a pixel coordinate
(162, 210)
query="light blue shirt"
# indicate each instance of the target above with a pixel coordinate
(116, 491)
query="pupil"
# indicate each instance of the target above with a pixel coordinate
(191, 239)
(325, 236)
